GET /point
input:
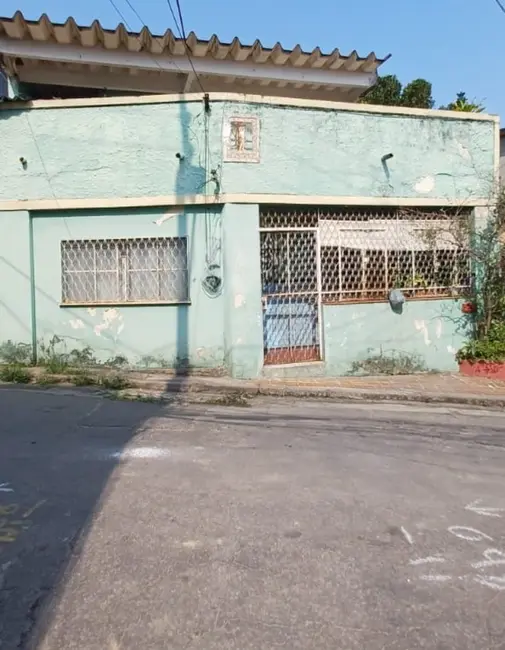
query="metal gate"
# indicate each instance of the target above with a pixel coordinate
(291, 294)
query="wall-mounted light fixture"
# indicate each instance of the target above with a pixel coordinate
(179, 156)
(386, 157)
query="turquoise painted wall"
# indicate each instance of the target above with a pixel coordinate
(212, 332)
(427, 330)
(243, 316)
(15, 302)
(126, 151)
(164, 335)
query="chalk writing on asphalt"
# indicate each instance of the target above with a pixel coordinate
(484, 569)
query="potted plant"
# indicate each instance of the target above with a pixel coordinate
(420, 285)
(485, 356)
(484, 309)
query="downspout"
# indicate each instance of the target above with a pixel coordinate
(33, 313)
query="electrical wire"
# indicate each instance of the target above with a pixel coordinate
(121, 15)
(501, 5)
(46, 173)
(182, 35)
(174, 17)
(180, 18)
(180, 31)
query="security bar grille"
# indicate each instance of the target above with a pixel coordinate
(111, 271)
(366, 252)
(290, 293)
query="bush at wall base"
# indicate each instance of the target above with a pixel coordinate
(484, 357)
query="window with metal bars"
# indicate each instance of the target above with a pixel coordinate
(366, 252)
(130, 271)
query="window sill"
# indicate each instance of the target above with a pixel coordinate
(148, 303)
(362, 301)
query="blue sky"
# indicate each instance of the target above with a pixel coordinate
(455, 44)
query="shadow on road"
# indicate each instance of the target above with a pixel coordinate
(59, 451)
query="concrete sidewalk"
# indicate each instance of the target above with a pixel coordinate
(440, 388)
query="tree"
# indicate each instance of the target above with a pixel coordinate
(389, 91)
(463, 105)
(477, 273)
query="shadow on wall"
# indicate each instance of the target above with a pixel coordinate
(191, 176)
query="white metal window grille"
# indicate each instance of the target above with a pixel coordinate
(241, 140)
(366, 252)
(110, 271)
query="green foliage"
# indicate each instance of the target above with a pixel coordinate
(83, 379)
(15, 374)
(388, 91)
(46, 379)
(463, 105)
(490, 347)
(487, 290)
(388, 364)
(118, 361)
(55, 362)
(84, 357)
(56, 359)
(150, 361)
(482, 350)
(114, 382)
(417, 94)
(16, 353)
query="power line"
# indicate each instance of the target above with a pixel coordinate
(181, 32)
(174, 17)
(182, 35)
(180, 18)
(501, 5)
(121, 15)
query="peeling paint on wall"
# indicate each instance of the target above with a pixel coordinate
(463, 151)
(438, 328)
(420, 326)
(165, 217)
(425, 185)
(239, 301)
(76, 324)
(112, 318)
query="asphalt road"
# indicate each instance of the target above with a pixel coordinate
(290, 524)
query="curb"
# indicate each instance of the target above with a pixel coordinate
(157, 385)
(254, 389)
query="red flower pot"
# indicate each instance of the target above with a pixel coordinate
(489, 369)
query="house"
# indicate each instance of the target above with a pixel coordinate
(245, 215)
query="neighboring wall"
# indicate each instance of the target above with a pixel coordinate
(130, 151)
